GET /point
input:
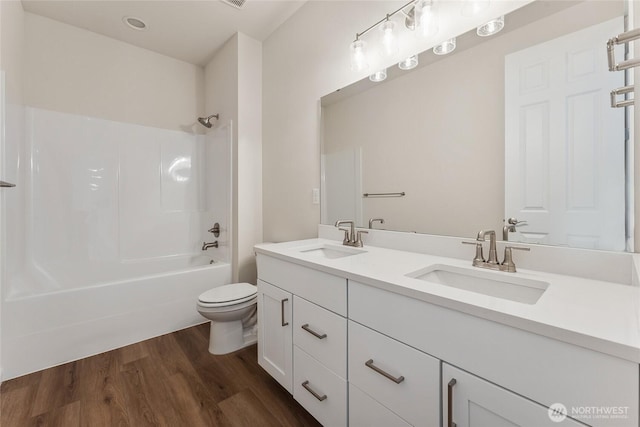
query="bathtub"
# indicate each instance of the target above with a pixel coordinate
(48, 324)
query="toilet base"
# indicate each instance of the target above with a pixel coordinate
(227, 337)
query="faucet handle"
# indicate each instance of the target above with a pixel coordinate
(346, 235)
(514, 221)
(478, 259)
(508, 264)
(358, 241)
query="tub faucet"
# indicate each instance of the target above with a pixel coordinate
(206, 245)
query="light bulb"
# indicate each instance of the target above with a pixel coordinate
(409, 63)
(474, 7)
(358, 56)
(378, 76)
(490, 28)
(445, 47)
(426, 17)
(389, 39)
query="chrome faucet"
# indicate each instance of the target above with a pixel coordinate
(510, 226)
(492, 262)
(352, 237)
(372, 220)
(206, 245)
(493, 253)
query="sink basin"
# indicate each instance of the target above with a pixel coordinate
(492, 283)
(331, 251)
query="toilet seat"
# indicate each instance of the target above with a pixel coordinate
(228, 295)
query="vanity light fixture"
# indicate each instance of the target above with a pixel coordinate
(378, 76)
(445, 47)
(409, 63)
(474, 7)
(426, 16)
(389, 36)
(389, 39)
(358, 55)
(492, 27)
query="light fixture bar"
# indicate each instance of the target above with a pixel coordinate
(386, 18)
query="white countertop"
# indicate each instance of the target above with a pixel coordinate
(594, 314)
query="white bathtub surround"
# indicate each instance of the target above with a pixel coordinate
(595, 314)
(105, 229)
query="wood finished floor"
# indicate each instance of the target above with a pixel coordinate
(171, 380)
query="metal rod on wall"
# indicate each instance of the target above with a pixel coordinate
(401, 194)
(6, 184)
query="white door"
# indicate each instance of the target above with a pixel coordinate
(275, 345)
(564, 144)
(474, 402)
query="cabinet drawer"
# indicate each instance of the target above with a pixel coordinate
(364, 411)
(400, 377)
(320, 288)
(322, 334)
(318, 390)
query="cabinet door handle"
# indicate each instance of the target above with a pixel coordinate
(310, 390)
(312, 332)
(450, 402)
(284, 323)
(369, 364)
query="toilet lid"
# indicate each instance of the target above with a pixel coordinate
(233, 293)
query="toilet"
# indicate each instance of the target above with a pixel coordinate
(232, 310)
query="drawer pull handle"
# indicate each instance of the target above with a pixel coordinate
(312, 332)
(310, 390)
(284, 323)
(369, 364)
(450, 402)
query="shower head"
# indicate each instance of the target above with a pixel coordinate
(206, 121)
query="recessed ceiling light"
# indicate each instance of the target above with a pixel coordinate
(134, 23)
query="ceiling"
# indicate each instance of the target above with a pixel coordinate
(189, 30)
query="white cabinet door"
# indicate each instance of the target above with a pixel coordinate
(275, 338)
(471, 401)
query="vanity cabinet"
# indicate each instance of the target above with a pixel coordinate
(471, 401)
(539, 368)
(397, 360)
(303, 336)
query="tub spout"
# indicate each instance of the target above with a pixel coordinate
(206, 245)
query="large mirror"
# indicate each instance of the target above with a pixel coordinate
(516, 125)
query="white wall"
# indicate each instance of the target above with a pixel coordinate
(11, 121)
(71, 70)
(249, 219)
(234, 90)
(304, 59)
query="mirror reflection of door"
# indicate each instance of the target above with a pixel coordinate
(343, 185)
(564, 144)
